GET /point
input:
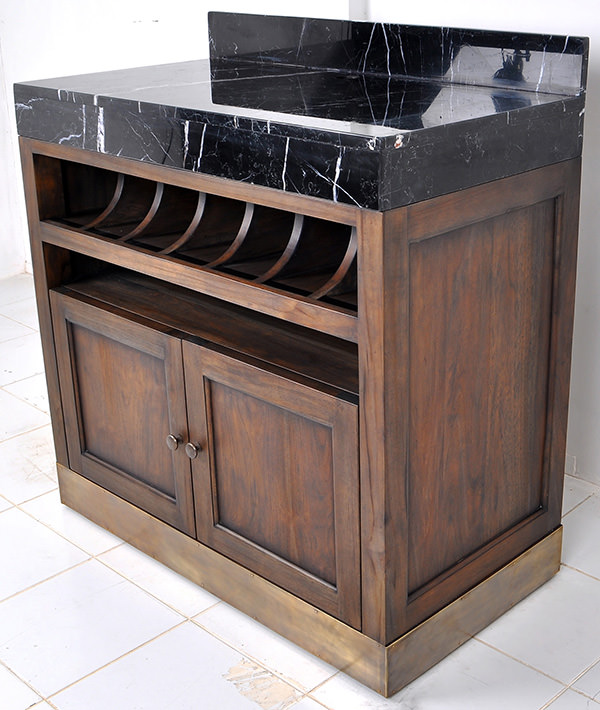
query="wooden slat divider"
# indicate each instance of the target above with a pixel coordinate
(342, 270)
(114, 201)
(136, 231)
(239, 239)
(289, 251)
(323, 317)
(193, 226)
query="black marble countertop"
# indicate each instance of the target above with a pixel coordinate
(369, 114)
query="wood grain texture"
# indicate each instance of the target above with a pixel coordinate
(276, 482)
(122, 385)
(49, 269)
(480, 301)
(383, 352)
(293, 308)
(530, 321)
(329, 361)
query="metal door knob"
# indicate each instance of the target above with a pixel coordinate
(192, 450)
(173, 441)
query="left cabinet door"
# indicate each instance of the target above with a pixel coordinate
(123, 396)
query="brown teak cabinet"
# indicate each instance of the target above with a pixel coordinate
(349, 424)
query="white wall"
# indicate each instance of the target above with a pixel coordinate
(41, 39)
(44, 39)
(578, 17)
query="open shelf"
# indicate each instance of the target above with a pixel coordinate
(283, 251)
(329, 361)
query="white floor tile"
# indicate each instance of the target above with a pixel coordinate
(79, 530)
(59, 631)
(24, 312)
(582, 533)
(186, 669)
(41, 706)
(31, 390)
(556, 629)
(589, 683)
(30, 553)
(17, 417)
(14, 694)
(307, 704)
(472, 678)
(570, 700)
(27, 463)
(4, 504)
(287, 660)
(20, 358)
(186, 597)
(16, 288)
(10, 329)
(576, 491)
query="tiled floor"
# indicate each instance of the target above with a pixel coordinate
(89, 623)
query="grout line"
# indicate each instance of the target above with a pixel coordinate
(31, 374)
(37, 692)
(43, 581)
(576, 569)
(523, 663)
(581, 479)
(554, 698)
(581, 502)
(309, 694)
(28, 431)
(143, 589)
(118, 658)
(44, 411)
(294, 683)
(16, 337)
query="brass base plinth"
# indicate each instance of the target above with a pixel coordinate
(385, 669)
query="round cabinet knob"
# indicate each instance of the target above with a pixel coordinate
(173, 441)
(192, 450)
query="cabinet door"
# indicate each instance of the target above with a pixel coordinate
(276, 478)
(123, 395)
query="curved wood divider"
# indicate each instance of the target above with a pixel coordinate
(240, 238)
(342, 271)
(288, 252)
(158, 194)
(114, 201)
(193, 226)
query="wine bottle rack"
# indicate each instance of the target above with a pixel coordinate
(282, 250)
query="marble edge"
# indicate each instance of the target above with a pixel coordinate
(29, 93)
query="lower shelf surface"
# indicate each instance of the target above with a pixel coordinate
(385, 669)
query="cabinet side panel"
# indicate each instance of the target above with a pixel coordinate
(480, 315)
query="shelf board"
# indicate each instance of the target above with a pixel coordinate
(324, 359)
(298, 309)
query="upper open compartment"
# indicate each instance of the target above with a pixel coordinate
(285, 252)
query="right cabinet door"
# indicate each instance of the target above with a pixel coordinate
(275, 473)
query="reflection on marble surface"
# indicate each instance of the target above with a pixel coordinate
(369, 114)
(550, 63)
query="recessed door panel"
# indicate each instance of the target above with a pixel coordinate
(276, 477)
(123, 393)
